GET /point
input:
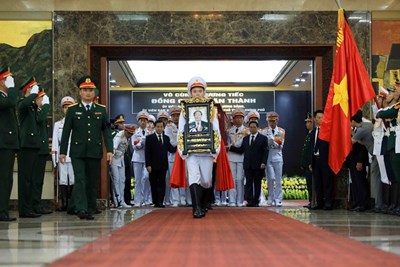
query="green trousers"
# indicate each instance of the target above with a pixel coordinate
(26, 171)
(87, 176)
(7, 158)
(37, 182)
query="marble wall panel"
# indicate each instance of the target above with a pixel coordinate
(74, 31)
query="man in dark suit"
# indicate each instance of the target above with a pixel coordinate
(198, 125)
(255, 149)
(156, 154)
(9, 142)
(322, 173)
(89, 125)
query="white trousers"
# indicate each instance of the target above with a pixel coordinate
(65, 173)
(118, 182)
(199, 170)
(236, 195)
(142, 184)
(274, 178)
(171, 194)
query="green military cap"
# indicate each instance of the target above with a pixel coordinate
(119, 118)
(87, 81)
(28, 84)
(4, 73)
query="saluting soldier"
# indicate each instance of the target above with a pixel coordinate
(9, 142)
(236, 133)
(119, 124)
(43, 107)
(89, 124)
(30, 144)
(66, 178)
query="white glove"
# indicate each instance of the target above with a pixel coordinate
(9, 82)
(35, 89)
(45, 100)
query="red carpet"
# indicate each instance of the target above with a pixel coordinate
(226, 237)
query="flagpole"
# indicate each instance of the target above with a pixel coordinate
(338, 3)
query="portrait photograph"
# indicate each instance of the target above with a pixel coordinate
(198, 119)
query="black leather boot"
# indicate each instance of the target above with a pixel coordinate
(196, 194)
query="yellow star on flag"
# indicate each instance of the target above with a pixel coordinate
(341, 96)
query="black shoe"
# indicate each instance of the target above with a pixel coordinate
(358, 209)
(30, 215)
(43, 211)
(6, 218)
(307, 206)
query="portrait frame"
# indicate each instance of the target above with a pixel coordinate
(198, 135)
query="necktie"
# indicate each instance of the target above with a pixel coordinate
(273, 131)
(143, 132)
(316, 143)
(237, 129)
(252, 140)
(160, 139)
(87, 107)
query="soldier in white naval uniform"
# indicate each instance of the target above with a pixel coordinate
(199, 165)
(120, 143)
(65, 172)
(138, 140)
(276, 139)
(235, 136)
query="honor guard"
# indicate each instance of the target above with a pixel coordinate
(66, 177)
(30, 144)
(86, 123)
(121, 143)
(9, 141)
(138, 141)
(43, 107)
(199, 165)
(235, 137)
(119, 124)
(276, 139)
(163, 115)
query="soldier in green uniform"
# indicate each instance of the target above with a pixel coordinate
(9, 142)
(393, 149)
(27, 156)
(43, 108)
(89, 124)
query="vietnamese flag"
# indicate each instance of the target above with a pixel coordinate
(349, 90)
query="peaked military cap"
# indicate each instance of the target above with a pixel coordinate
(162, 114)
(142, 115)
(175, 110)
(4, 73)
(87, 81)
(119, 118)
(67, 100)
(28, 84)
(152, 118)
(238, 112)
(196, 82)
(309, 117)
(272, 116)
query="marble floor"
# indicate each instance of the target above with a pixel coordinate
(36, 242)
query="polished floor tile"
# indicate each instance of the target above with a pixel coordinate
(36, 242)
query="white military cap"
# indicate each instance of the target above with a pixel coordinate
(253, 114)
(175, 110)
(142, 115)
(162, 114)
(272, 116)
(196, 82)
(67, 100)
(152, 118)
(238, 112)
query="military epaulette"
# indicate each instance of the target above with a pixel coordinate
(101, 105)
(283, 130)
(73, 105)
(397, 105)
